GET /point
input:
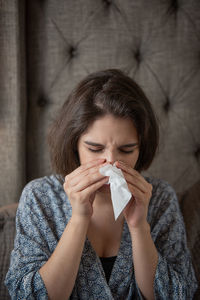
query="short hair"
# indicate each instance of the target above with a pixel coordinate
(101, 93)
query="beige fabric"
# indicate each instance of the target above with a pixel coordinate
(12, 100)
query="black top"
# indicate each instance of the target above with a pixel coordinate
(107, 263)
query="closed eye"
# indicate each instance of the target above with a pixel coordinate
(126, 151)
(100, 150)
(95, 150)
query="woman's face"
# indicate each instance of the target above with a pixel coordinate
(110, 138)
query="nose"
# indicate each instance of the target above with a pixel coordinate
(110, 157)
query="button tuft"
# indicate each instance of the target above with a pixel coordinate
(138, 56)
(72, 51)
(197, 152)
(107, 2)
(42, 101)
(167, 105)
(173, 8)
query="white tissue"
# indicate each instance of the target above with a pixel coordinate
(120, 193)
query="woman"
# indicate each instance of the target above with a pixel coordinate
(68, 244)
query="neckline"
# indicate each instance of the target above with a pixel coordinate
(124, 239)
(108, 258)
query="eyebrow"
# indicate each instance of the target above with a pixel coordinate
(100, 145)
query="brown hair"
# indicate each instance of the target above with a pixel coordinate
(105, 92)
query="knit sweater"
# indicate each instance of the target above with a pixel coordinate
(43, 213)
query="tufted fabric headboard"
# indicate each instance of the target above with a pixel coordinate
(46, 48)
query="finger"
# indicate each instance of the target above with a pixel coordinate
(94, 187)
(129, 170)
(86, 181)
(84, 167)
(138, 194)
(139, 179)
(136, 182)
(89, 174)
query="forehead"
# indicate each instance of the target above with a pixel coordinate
(110, 126)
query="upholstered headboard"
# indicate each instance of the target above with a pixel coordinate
(46, 47)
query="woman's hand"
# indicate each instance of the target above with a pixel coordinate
(136, 210)
(81, 186)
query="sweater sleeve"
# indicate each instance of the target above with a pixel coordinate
(31, 249)
(174, 278)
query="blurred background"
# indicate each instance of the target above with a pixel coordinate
(46, 47)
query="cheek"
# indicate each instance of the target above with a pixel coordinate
(135, 160)
(136, 156)
(85, 156)
(131, 160)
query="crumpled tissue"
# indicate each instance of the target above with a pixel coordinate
(120, 193)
